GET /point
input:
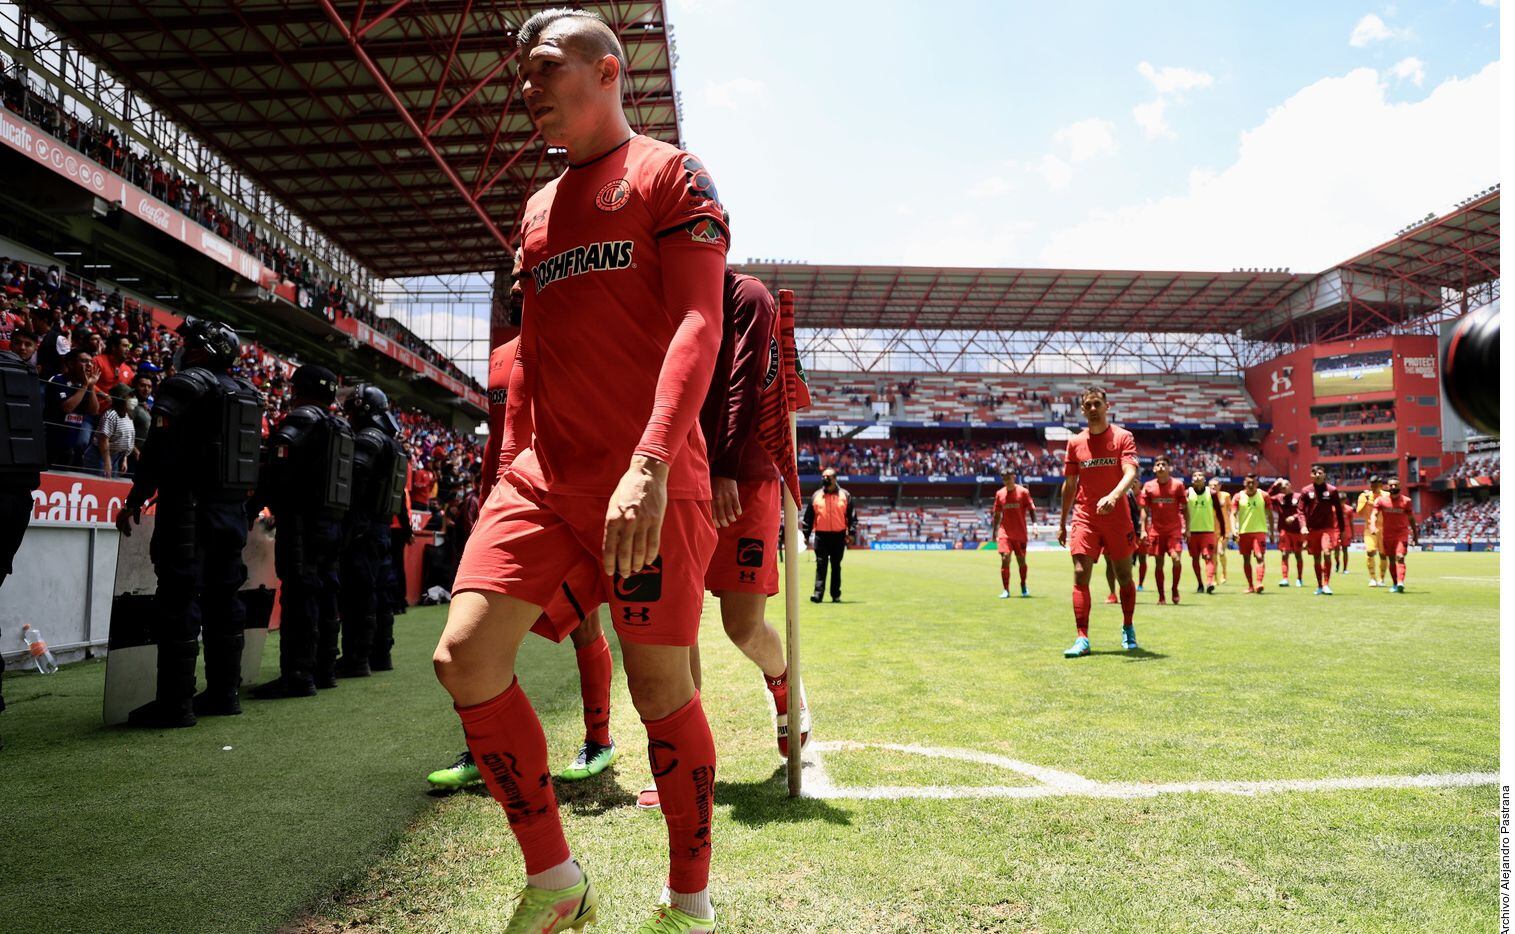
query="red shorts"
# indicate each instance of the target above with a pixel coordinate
(1165, 543)
(1398, 546)
(1115, 540)
(1319, 540)
(1336, 539)
(1202, 543)
(1010, 546)
(746, 551)
(529, 544)
(1290, 541)
(1253, 543)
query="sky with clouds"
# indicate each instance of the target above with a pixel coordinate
(1198, 135)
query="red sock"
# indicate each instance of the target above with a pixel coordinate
(779, 688)
(1161, 581)
(1262, 573)
(682, 753)
(1318, 580)
(1178, 571)
(1142, 573)
(1283, 567)
(1081, 601)
(507, 742)
(1128, 601)
(1023, 576)
(594, 684)
(1325, 571)
(1004, 575)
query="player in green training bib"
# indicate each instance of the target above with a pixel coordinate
(1249, 528)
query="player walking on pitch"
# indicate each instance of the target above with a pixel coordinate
(1395, 519)
(1164, 516)
(1250, 511)
(1013, 509)
(1226, 533)
(1320, 514)
(626, 250)
(1099, 467)
(1291, 533)
(1344, 536)
(1371, 533)
(1205, 520)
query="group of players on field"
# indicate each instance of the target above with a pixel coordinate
(1110, 517)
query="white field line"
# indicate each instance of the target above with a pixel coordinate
(1053, 783)
(1476, 580)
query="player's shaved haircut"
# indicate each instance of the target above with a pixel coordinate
(591, 36)
(1094, 391)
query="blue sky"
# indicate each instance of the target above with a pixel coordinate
(1175, 135)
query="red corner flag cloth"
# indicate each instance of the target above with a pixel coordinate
(785, 393)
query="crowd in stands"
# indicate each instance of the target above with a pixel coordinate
(962, 526)
(1464, 520)
(958, 397)
(1370, 413)
(1480, 464)
(101, 358)
(1355, 442)
(327, 295)
(898, 457)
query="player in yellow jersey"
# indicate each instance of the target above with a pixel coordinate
(1372, 536)
(1249, 511)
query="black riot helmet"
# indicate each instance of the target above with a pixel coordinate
(315, 382)
(369, 406)
(207, 343)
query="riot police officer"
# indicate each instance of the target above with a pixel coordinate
(307, 482)
(23, 454)
(201, 461)
(378, 496)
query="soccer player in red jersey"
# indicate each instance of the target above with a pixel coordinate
(1344, 536)
(1395, 515)
(1164, 518)
(627, 253)
(1100, 467)
(565, 613)
(1288, 532)
(1013, 509)
(1320, 514)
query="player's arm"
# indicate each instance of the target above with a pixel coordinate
(1029, 505)
(752, 327)
(517, 432)
(1070, 489)
(1129, 469)
(994, 517)
(1414, 529)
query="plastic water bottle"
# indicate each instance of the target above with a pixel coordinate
(41, 657)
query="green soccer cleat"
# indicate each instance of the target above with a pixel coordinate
(1078, 649)
(671, 920)
(461, 774)
(545, 911)
(591, 760)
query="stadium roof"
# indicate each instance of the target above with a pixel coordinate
(1393, 282)
(366, 119)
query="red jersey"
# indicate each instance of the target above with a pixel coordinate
(421, 482)
(1165, 506)
(1348, 514)
(615, 355)
(1286, 505)
(746, 366)
(1098, 461)
(1320, 507)
(1393, 515)
(501, 361)
(1015, 509)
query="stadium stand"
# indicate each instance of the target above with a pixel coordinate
(926, 522)
(1480, 465)
(1370, 413)
(990, 398)
(1466, 520)
(1351, 444)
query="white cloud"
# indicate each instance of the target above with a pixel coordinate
(1054, 171)
(735, 94)
(1087, 138)
(992, 187)
(1410, 68)
(1170, 82)
(1489, 2)
(1150, 117)
(1325, 175)
(1170, 79)
(1372, 29)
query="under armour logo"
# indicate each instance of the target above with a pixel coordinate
(629, 613)
(1283, 379)
(747, 577)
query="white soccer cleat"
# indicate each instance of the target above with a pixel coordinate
(1004, 595)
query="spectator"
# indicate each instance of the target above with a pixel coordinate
(69, 408)
(142, 412)
(115, 438)
(113, 365)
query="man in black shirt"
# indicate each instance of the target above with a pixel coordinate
(69, 407)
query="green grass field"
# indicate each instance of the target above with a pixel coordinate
(317, 816)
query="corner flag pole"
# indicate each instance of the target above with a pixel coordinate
(792, 623)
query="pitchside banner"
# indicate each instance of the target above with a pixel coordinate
(75, 498)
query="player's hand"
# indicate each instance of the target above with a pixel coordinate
(1106, 505)
(126, 518)
(1062, 535)
(725, 504)
(634, 518)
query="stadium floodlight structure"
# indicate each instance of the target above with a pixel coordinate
(1086, 321)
